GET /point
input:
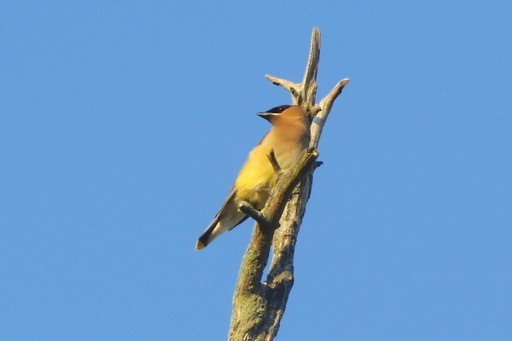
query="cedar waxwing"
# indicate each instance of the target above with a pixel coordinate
(288, 137)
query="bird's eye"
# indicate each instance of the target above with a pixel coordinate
(279, 109)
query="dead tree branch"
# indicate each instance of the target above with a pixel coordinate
(258, 306)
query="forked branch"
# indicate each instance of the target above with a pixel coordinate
(258, 306)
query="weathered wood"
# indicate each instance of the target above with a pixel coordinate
(259, 306)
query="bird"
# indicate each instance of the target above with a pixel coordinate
(288, 137)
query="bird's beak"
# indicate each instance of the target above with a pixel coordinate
(267, 115)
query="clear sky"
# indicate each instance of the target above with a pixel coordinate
(124, 123)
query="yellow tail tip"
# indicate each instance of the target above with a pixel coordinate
(199, 245)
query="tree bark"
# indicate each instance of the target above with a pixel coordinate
(259, 306)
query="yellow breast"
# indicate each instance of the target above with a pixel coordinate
(255, 179)
(257, 176)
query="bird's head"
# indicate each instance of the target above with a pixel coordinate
(284, 114)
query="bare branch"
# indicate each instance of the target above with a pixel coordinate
(247, 208)
(328, 100)
(324, 110)
(258, 307)
(313, 60)
(308, 86)
(272, 158)
(250, 302)
(291, 87)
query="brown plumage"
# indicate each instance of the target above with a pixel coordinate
(289, 136)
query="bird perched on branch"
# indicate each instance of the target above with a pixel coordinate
(288, 137)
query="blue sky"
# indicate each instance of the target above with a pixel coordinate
(123, 125)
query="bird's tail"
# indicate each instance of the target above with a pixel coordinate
(207, 235)
(219, 226)
(227, 218)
